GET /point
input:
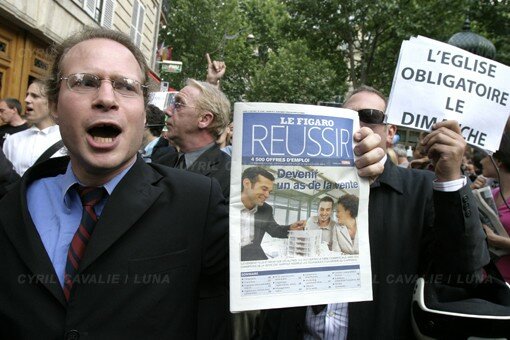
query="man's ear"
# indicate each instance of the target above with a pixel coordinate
(246, 183)
(391, 131)
(205, 119)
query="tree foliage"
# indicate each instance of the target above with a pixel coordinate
(304, 51)
(293, 76)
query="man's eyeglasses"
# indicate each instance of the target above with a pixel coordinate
(89, 83)
(371, 116)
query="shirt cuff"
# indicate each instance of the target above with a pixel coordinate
(450, 186)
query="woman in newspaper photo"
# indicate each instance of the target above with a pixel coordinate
(499, 168)
(345, 236)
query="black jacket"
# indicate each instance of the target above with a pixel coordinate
(156, 263)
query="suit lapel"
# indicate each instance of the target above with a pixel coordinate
(25, 238)
(132, 197)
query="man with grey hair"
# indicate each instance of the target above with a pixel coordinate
(197, 118)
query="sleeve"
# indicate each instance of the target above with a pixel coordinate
(273, 228)
(213, 309)
(460, 246)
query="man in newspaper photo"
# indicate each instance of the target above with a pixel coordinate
(323, 221)
(257, 216)
(420, 223)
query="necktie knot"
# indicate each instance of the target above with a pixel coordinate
(90, 196)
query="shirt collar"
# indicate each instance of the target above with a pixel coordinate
(150, 146)
(44, 131)
(69, 179)
(391, 177)
(251, 211)
(192, 156)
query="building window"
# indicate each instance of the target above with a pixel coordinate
(137, 23)
(100, 10)
(108, 9)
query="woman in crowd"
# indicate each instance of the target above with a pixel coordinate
(501, 196)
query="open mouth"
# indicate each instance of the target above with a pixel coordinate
(104, 133)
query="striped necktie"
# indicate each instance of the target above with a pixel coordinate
(89, 196)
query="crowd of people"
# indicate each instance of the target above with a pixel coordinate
(106, 192)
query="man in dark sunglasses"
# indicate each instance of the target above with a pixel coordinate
(419, 223)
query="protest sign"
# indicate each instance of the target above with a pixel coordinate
(162, 100)
(286, 157)
(435, 81)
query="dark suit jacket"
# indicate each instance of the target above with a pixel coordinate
(413, 230)
(7, 174)
(212, 163)
(264, 223)
(157, 258)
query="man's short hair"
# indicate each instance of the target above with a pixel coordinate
(88, 33)
(253, 173)
(211, 99)
(503, 153)
(155, 117)
(43, 86)
(327, 199)
(13, 103)
(366, 88)
(350, 203)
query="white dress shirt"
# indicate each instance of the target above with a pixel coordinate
(248, 225)
(25, 147)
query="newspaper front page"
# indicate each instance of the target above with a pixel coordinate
(291, 242)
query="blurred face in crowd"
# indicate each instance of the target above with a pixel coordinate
(37, 109)
(488, 169)
(256, 193)
(369, 100)
(6, 113)
(101, 126)
(183, 117)
(325, 210)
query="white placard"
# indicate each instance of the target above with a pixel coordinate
(435, 81)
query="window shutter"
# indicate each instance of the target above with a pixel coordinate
(108, 11)
(139, 26)
(90, 7)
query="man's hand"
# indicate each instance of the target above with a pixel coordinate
(299, 225)
(445, 146)
(479, 182)
(496, 240)
(369, 153)
(215, 70)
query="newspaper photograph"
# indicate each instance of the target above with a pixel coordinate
(298, 209)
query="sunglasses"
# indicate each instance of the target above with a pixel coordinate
(371, 116)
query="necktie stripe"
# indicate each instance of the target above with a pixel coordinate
(89, 196)
(84, 232)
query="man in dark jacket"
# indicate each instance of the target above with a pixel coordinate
(418, 224)
(197, 118)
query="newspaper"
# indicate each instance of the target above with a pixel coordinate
(490, 217)
(301, 154)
